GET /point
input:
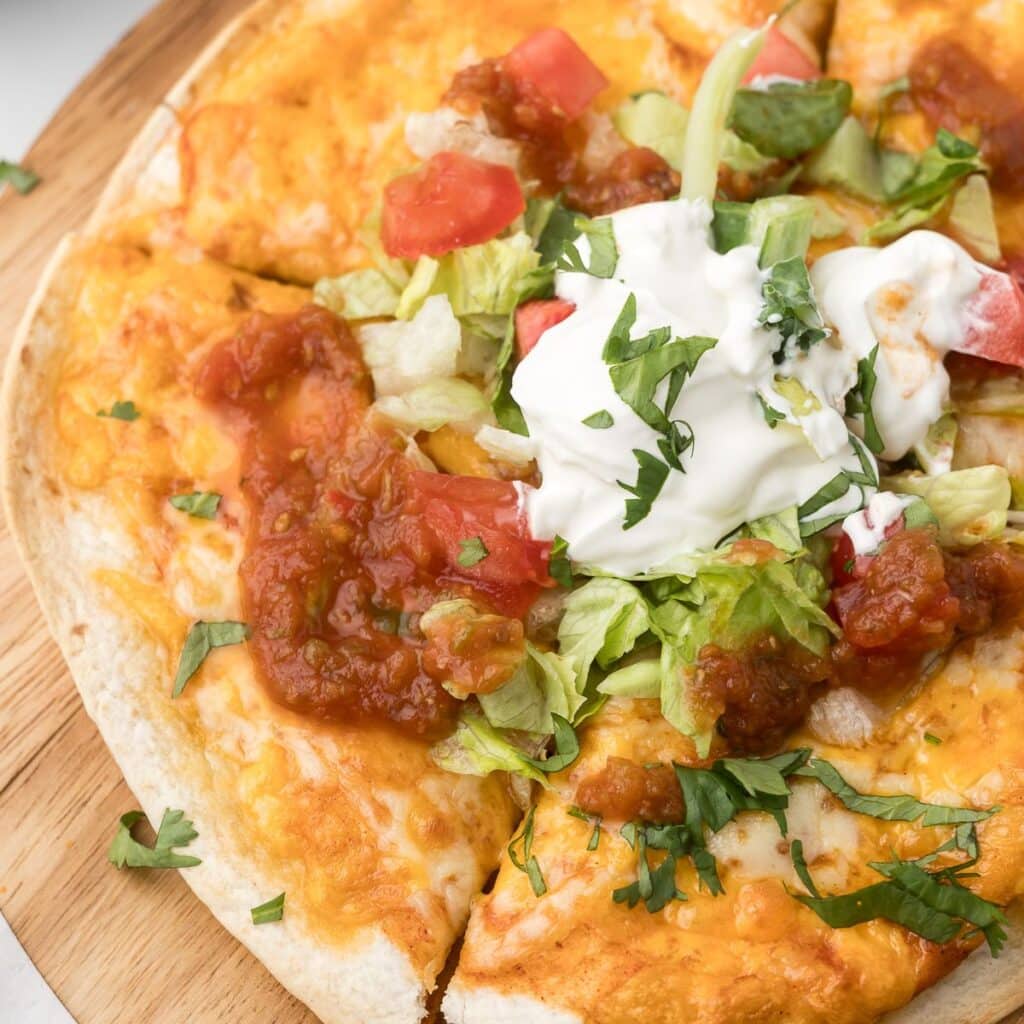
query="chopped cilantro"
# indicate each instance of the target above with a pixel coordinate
(202, 638)
(527, 862)
(600, 420)
(199, 504)
(175, 830)
(267, 913)
(471, 551)
(120, 411)
(21, 179)
(559, 565)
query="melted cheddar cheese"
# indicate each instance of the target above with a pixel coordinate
(285, 152)
(755, 953)
(359, 825)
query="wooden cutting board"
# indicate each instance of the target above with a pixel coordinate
(115, 946)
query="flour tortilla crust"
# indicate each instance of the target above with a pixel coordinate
(62, 539)
(982, 990)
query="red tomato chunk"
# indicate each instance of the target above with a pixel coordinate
(451, 201)
(551, 63)
(534, 318)
(781, 56)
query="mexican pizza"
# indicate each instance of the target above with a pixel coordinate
(547, 475)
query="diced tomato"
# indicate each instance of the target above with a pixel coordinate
(534, 318)
(996, 328)
(847, 565)
(781, 56)
(551, 63)
(462, 508)
(451, 201)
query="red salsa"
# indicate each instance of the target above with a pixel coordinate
(348, 542)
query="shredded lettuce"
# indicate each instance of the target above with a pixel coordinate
(782, 227)
(641, 679)
(658, 122)
(404, 354)
(848, 161)
(602, 621)
(934, 454)
(506, 445)
(970, 504)
(786, 119)
(939, 171)
(711, 107)
(433, 404)
(358, 295)
(477, 279)
(478, 748)
(654, 120)
(544, 684)
(972, 219)
(781, 529)
(728, 605)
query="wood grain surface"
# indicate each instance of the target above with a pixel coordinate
(115, 946)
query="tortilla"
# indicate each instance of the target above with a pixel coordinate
(266, 160)
(378, 850)
(273, 154)
(753, 953)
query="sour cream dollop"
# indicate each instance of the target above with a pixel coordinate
(912, 300)
(739, 468)
(908, 299)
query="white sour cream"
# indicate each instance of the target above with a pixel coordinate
(866, 528)
(912, 300)
(739, 469)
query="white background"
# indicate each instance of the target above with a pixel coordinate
(46, 46)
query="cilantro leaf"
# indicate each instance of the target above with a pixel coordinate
(120, 411)
(552, 226)
(604, 253)
(175, 830)
(594, 819)
(200, 504)
(202, 638)
(637, 366)
(859, 401)
(790, 118)
(600, 420)
(883, 900)
(506, 408)
(790, 308)
(934, 905)
(771, 416)
(942, 891)
(796, 851)
(21, 179)
(471, 551)
(890, 808)
(559, 565)
(650, 478)
(267, 913)
(837, 488)
(527, 862)
(567, 747)
(657, 887)
(942, 167)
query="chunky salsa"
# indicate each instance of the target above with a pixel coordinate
(348, 541)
